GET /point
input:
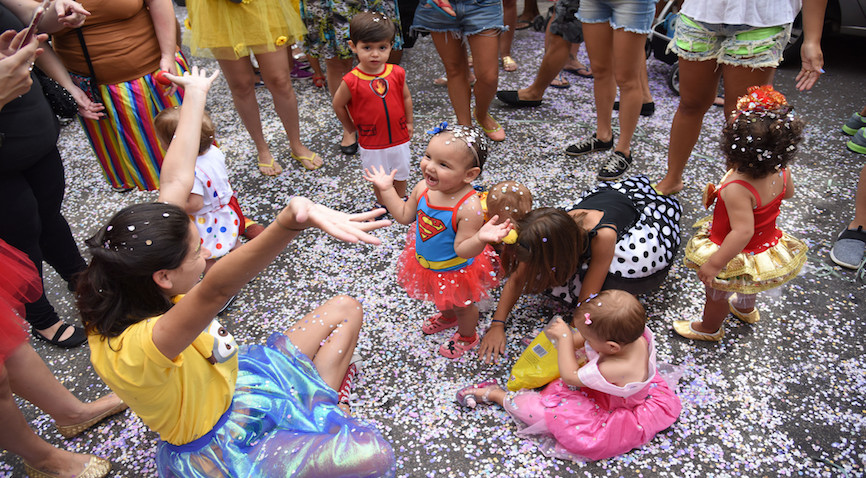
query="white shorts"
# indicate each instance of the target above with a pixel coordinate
(395, 157)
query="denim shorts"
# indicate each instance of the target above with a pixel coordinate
(634, 16)
(473, 17)
(565, 23)
(737, 45)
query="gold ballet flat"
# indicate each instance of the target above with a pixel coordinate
(95, 468)
(69, 431)
(684, 328)
(749, 318)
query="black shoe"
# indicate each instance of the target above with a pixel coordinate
(77, 338)
(588, 146)
(510, 97)
(646, 109)
(349, 150)
(615, 166)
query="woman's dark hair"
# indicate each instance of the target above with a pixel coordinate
(166, 121)
(616, 316)
(758, 143)
(371, 27)
(551, 244)
(117, 288)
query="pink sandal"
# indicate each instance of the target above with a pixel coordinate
(438, 323)
(467, 399)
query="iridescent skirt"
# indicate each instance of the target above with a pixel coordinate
(283, 421)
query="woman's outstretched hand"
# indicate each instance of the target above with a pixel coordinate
(301, 213)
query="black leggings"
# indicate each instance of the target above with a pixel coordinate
(30, 220)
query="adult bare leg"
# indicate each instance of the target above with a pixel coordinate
(629, 61)
(698, 85)
(31, 380)
(509, 12)
(737, 79)
(275, 70)
(456, 65)
(599, 46)
(555, 56)
(483, 45)
(241, 79)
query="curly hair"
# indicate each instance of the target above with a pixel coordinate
(117, 288)
(758, 143)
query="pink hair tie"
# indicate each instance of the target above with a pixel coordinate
(587, 320)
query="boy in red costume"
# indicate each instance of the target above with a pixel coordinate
(374, 101)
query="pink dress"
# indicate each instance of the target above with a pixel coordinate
(600, 420)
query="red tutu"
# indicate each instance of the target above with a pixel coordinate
(447, 289)
(19, 284)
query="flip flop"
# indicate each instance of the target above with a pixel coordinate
(497, 133)
(523, 24)
(308, 161)
(563, 83)
(273, 164)
(656, 189)
(582, 72)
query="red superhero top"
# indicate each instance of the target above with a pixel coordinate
(766, 233)
(377, 107)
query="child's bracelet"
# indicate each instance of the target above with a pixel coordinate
(497, 320)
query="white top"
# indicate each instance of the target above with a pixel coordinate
(590, 376)
(763, 13)
(217, 223)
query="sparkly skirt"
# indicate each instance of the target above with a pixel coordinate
(283, 421)
(447, 289)
(19, 284)
(748, 273)
(227, 30)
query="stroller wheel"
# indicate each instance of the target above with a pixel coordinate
(674, 79)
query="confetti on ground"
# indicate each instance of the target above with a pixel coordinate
(784, 397)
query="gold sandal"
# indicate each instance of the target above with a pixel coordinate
(69, 431)
(95, 468)
(508, 63)
(685, 329)
(747, 317)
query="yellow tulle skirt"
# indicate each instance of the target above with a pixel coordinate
(748, 273)
(226, 30)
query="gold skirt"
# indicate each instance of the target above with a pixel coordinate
(228, 30)
(748, 273)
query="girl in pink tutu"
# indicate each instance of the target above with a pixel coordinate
(617, 401)
(447, 259)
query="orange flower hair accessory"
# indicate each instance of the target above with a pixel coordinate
(760, 99)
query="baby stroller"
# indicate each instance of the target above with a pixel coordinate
(657, 43)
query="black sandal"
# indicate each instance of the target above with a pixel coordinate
(77, 338)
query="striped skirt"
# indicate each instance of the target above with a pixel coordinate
(125, 139)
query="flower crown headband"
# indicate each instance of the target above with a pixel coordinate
(467, 134)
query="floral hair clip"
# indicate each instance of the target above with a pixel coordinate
(761, 100)
(586, 319)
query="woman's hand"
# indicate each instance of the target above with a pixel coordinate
(196, 79)
(376, 175)
(492, 344)
(491, 232)
(301, 213)
(16, 64)
(70, 13)
(86, 107)
(169, 66)
(813, 64)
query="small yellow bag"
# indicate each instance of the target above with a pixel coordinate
(538, 365)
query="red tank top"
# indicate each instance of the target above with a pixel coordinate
(766, 233)
(377, 107)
